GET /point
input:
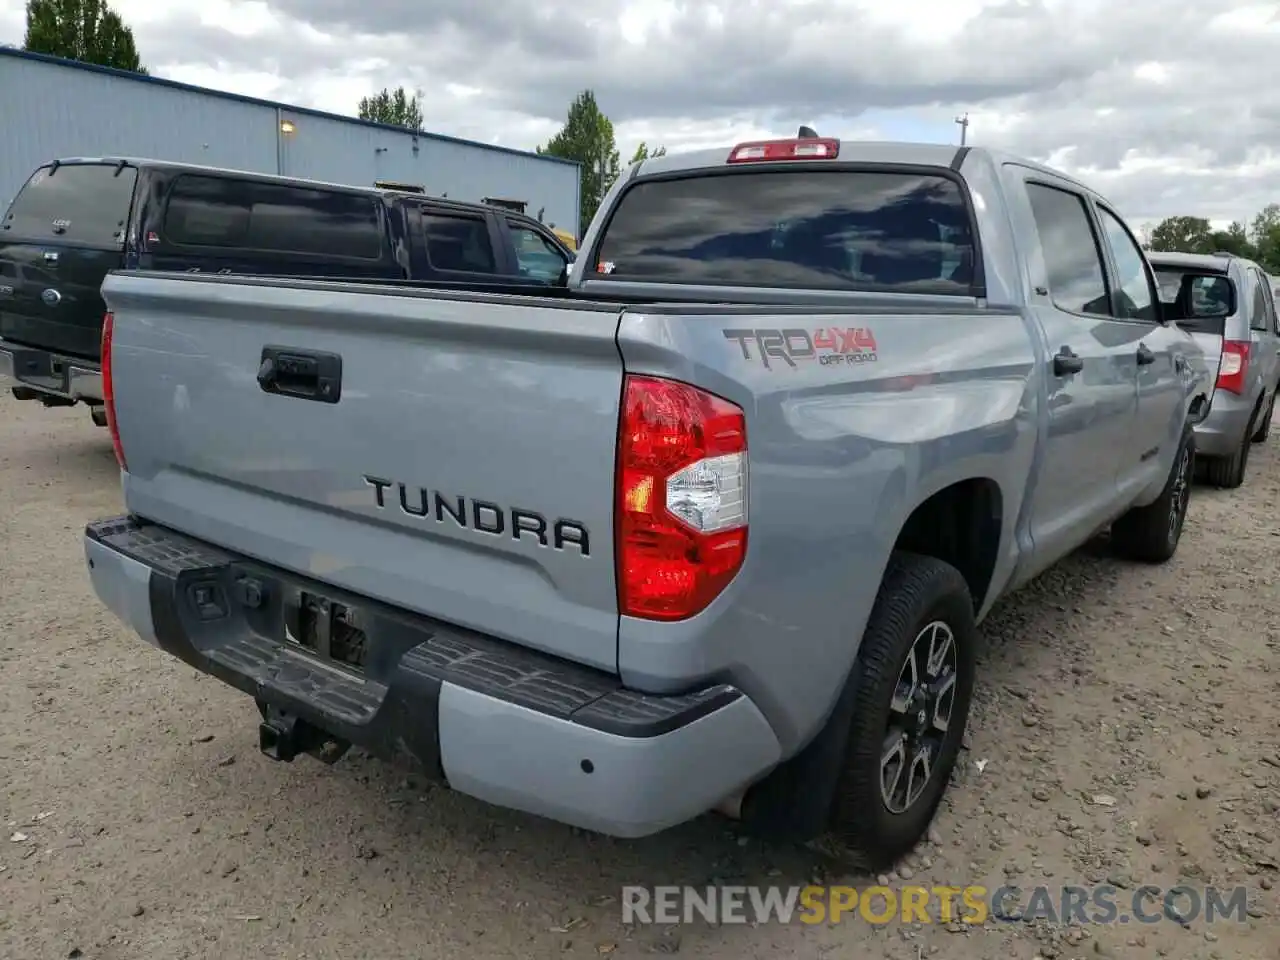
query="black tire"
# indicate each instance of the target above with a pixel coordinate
(916, 592)
(1264, 428)
(1151, 534)
(1228, 472)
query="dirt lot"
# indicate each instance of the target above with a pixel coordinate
(1127, 731)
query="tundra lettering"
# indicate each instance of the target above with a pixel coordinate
(486, 517)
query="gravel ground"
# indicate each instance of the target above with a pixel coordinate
(1126, 731)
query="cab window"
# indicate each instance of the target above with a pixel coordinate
(903, 230)
(458, 243)
(536, 256)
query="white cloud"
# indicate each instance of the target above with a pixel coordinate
(1165, 105)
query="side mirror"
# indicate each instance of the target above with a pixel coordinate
(1206, 296)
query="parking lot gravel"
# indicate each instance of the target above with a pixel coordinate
(1126, 732)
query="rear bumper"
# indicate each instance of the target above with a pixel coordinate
(491, 719)
(44, 373)
(1222, 431)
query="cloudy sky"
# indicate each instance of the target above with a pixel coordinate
(1167, 106)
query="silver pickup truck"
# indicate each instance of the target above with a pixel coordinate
(709, 529)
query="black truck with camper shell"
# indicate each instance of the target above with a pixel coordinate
(76, 220)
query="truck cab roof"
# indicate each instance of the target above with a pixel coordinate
(897, 152)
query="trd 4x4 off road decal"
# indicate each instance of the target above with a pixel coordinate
(826, 345)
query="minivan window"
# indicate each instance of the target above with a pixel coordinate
(1077, 282)
(458, 243)
(211, 211)
(1269, 290)
(1169, 282)
(828, 229)
(1261, 313)
(77, 202)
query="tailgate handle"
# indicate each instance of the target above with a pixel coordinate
(303, 374)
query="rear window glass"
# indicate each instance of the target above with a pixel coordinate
(80, 202)
(1169, 282)
(458, 243)
(1205, 295)
(206, 211)
(831, 229)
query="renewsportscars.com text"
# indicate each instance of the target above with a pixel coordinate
(1100, 904)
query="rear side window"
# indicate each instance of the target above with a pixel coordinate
(1262, 303)
(205, 211)
(831, 229)
(1077, 283)
(458, 244)
(78, 202)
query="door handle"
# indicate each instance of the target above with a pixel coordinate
(1180, 363)
(304, 374)
(1145, 356)
(1065, 362)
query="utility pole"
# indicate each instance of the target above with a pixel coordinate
(963, 121)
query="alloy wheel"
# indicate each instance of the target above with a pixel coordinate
(919, 717)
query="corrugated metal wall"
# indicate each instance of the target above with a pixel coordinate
(53, 109)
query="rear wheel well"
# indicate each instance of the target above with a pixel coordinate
(959, 525)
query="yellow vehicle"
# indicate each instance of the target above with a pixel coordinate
(566, 238)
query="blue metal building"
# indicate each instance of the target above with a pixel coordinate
(52, 108)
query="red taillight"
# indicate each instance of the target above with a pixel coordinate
(108, 391)
(681, 498)
(1233, 366)
(819, 148)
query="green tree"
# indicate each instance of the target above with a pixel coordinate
(642, 153)
(1183, 235)
(587, 137)
(1265, 234)
(1234, 239)
(1264, 221)
(396, 108)
(85, 30)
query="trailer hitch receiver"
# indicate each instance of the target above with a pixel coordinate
(282, 736)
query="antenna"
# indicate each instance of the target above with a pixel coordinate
(807, 133)
(964, 128)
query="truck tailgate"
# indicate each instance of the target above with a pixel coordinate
(465, 471)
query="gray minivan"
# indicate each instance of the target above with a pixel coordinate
(1246, 348)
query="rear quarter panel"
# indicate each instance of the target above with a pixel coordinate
(841, 452)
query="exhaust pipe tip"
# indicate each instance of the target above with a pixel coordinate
(731, 806)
